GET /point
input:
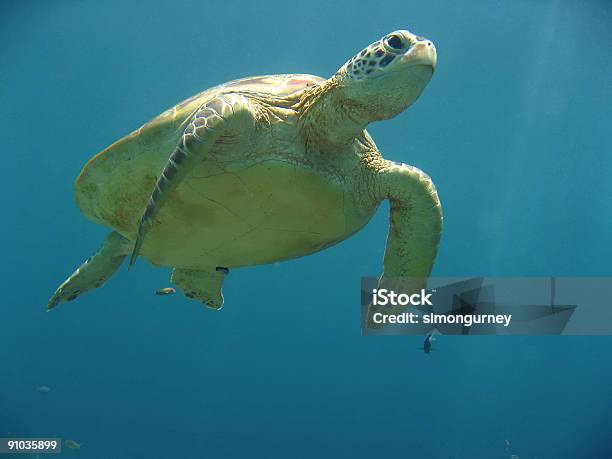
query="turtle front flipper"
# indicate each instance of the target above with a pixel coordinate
(226, 114)
(415, 227)
(415, 223)
(203, 286)
(94, 272)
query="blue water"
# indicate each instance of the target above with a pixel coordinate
(515, 131)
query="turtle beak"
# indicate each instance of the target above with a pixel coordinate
(423, 52)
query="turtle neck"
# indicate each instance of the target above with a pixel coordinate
(328, 120)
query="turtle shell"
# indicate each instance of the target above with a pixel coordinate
(231, 214)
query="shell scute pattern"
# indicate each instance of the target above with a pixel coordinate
(277, 85)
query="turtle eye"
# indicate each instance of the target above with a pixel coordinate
(395, 42)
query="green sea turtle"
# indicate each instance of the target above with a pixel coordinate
(260, 170)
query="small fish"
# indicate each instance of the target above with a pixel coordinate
(72, 444)
(43, 389)
(507, 444)
(165, 291)
(427, 343)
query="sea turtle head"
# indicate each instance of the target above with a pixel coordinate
(388, 76)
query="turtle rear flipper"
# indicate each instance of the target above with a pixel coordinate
(94, 272)
(203, 286)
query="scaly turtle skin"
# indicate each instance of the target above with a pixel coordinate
(264, 169)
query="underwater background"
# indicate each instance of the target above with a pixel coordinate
(514, 129)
